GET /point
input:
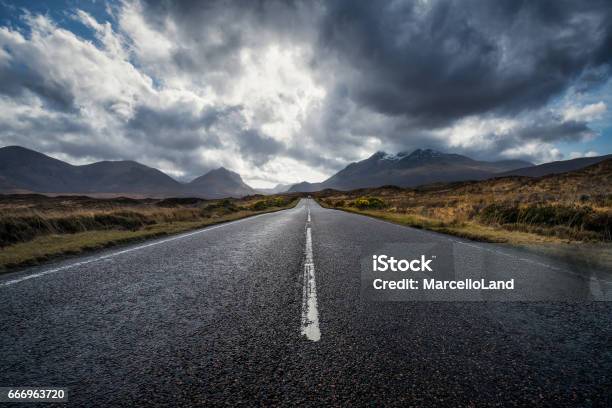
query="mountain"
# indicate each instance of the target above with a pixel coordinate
(126, 176)
(306, 187)
(409, 170)
(219, 183)
(277, 189)
(25, 170)
(556, 167)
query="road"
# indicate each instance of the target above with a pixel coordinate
(269, 311)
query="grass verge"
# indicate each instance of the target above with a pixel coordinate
(46, 247)
(467, 230)
(576, 254)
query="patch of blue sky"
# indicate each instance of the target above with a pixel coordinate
(601, 124)
(63, 14)
(60, 12)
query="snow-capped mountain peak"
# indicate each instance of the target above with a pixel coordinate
(391, 157)
(425, 154)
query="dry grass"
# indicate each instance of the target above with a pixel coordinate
(470, 230)
(36, 228)
(564, 208)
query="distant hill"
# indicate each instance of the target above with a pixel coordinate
(306, 187)
(590, 184)
(556, 167)
(277, 189)
(25, 170)
(219, 183)
(409, 170)
(28, 170)
(128, 176)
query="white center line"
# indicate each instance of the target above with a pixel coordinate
(310, 313)
(113, 254)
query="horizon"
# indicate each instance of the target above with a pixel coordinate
(187, 181)
(284, 93)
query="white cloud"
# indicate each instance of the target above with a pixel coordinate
(585, 113)
(284, 170)
(590, 153)
(543, 152)
(151, 47)
(527, 136)
(477, 133)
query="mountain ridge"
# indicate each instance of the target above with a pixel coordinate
(26, 170)
(556, 167)
(422, 166)
(279, 188)
(219, 183)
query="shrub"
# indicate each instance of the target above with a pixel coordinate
(577, 218)
(179, 201)
(16, 229)
(362, 203)
(546, 215)
(269, 202)
(224, 206)
(372, 203)
(278, 202)
(122, 219)
(259, 205)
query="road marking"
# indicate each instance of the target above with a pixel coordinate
(310, 313)
(111, 255)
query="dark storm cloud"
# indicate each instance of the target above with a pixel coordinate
(179, 131)
(214, 32)
(196, 17)
(315, 158)
(46, 126)
(258, 148)
(440, 62)
(179, 127)
(82, 148)
(568, 131)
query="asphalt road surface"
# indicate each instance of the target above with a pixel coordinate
(269, 311)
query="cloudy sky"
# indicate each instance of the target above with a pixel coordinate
(285, 91)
